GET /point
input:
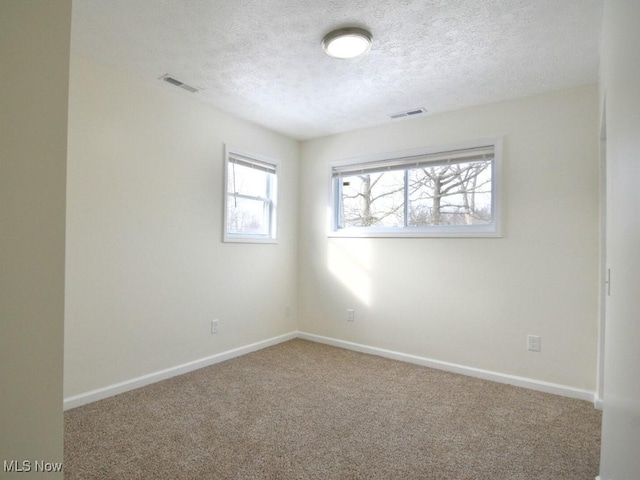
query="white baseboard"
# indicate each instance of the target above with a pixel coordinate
(529, 383)
(598, 402)
(111, 390)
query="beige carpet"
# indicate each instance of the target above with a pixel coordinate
(301, 410)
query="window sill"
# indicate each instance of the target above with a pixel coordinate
(488, 232)
(248, 239)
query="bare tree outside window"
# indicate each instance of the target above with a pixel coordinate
(250, 198)
(248, 192)
(458, 194)
(373, 200)
(452, 194)
(423, 193)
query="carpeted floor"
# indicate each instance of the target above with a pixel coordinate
(301, 410)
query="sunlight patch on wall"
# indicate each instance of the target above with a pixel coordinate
(350, 263)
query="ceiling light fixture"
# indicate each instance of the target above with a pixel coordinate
(347, 43)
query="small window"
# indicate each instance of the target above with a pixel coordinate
(428, 192)
(250, 198)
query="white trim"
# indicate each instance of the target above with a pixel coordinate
(122, 387)
(598, 402)
(111, 390)
(605, 273)
(524, 382)
(454, 231)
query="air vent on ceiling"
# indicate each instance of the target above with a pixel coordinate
(174, 81)
(409, 113)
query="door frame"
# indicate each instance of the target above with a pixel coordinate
(605, 272)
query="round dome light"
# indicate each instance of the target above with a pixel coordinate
(347, 43)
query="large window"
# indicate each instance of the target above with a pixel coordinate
(250, 198)
(451, 191)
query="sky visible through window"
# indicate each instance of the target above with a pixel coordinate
(449, 194)
(249, 203)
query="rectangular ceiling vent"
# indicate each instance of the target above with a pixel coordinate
(177, 83)
(409, 113)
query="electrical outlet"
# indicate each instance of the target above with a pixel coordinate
(351, 315)
(287, 310)
(533, 343)
(214, 326)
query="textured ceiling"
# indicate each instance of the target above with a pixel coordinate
(262, 60)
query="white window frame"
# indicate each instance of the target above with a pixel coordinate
(271, 201)
(494, 229)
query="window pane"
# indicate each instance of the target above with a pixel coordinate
(456, 194)
(429, 192)
(251, 193)
(247, 181)
(375, 199)
(246, 216)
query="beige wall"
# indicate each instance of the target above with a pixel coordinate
(146, 268)
(620, 76)
(34, 48)
(471, 301)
